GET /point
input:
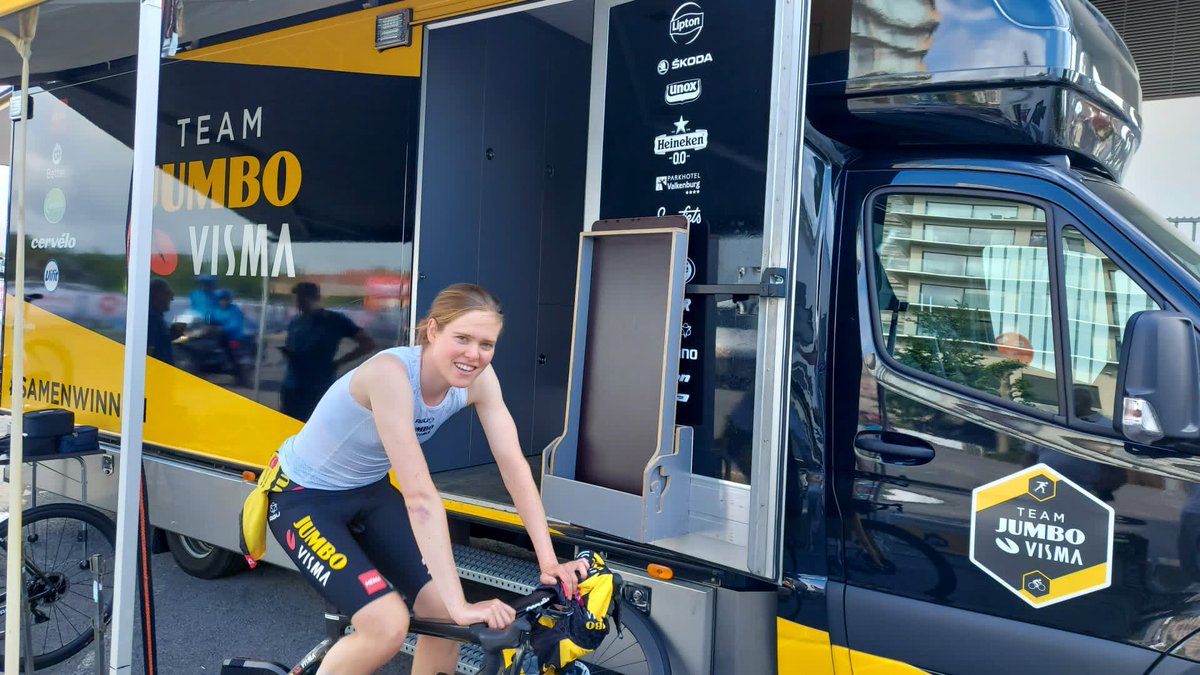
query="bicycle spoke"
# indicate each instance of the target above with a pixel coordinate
(63, 537)
(67, 618)
(85, 615)
(623, 650)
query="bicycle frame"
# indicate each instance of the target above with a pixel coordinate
(493, 642)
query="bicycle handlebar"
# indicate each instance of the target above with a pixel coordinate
(492, 640)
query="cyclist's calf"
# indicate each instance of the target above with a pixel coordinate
(379, 631)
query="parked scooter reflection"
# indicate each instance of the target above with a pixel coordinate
(214, 345)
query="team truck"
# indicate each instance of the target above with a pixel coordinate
(829, 323)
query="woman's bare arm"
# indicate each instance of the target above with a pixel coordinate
(385, 382)
(502, 437)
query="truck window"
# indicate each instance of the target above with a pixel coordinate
(1100, 298)
(1158, 229)
(963, 293)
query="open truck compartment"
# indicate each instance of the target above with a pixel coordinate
(1043, 77)
(479, 153)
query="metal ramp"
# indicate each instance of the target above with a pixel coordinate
(492, 569)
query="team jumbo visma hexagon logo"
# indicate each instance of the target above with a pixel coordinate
(1042, 536)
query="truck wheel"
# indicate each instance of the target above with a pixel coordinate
(203, 560)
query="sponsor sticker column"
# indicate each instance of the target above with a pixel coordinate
(685, 133)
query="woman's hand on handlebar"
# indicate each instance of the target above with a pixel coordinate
(494, 613)
(568, 575)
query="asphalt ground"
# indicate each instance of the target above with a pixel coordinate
(267, 613)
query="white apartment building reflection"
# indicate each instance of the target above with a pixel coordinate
(972, 280)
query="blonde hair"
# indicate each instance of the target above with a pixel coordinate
(453, 302)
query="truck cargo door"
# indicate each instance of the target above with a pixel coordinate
(665, 141)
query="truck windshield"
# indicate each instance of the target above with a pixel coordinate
(1161, 231)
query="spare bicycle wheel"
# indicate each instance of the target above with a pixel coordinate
(59, 540)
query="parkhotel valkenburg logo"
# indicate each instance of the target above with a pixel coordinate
(686, 23)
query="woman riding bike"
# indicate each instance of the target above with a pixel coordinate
(367, 548)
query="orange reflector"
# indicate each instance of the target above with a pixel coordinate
(249, 477)
(660, 571)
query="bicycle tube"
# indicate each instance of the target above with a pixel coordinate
(311, 663)
(85, 515)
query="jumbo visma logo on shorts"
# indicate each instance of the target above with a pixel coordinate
(1042, 536)
(317, 555)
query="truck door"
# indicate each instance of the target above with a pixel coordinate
(984, 497)
(663, 141)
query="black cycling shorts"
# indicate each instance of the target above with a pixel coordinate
(352, 546)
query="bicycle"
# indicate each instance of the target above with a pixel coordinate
(59, 542)
(887, 554)
(633, 630)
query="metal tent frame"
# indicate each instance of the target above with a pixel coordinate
(134, 381)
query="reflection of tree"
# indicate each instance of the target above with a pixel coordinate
(949, 346)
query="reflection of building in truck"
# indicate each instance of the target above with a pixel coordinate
(792, 405)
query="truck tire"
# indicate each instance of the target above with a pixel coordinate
(203, 560)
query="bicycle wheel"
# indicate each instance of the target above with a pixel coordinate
(640, 650)
(59, 540)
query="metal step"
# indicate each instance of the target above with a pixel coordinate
(496, 569)
(470, 657)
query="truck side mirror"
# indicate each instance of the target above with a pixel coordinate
(1158, 384)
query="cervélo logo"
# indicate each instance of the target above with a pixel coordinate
(686, 23)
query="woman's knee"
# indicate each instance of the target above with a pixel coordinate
(384, 621)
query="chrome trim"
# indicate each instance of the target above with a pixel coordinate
(784, 152)
(414, 275)
(511, 9)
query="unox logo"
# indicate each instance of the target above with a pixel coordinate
(684, 91)
(686, 23)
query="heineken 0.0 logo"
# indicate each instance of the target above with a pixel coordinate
(1041, 536)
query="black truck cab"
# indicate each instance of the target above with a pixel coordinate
(994, 387)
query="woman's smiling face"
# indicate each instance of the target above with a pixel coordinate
(461, 349)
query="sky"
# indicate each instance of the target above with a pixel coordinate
(1165, 172)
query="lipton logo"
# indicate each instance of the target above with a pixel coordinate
(686, 23)
(684, 91)
(372, 582)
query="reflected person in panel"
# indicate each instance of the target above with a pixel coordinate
(313, 338)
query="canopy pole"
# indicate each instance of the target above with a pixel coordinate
(138, 308)
(14, 582)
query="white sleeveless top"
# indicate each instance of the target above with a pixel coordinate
(339, 447)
